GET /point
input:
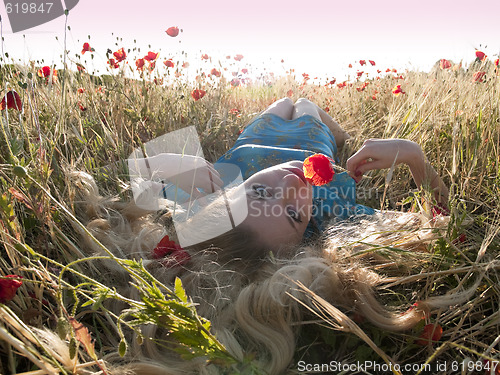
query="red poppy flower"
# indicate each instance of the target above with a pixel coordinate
(440, 209)
(8, 287)
(244, 71)
(44, 72)
(372, 62)
(430, 334)
(397, 90)
(497, 62)
(11, 100)
(81, 90)
(363, 86)
(444, 64)
(140, 64)
(87, 48)
(112, 63)
(170, 254)
(169, 63)
(172, 31)
(461, 238)
(480, 55)
(197, 94)
(238, 57)
(478, 76)
(362, 62)
(359, 74)
(318, 169)
(204, 57)
(151, 56)
(80, 67)
(82, 108)
(350, 65)
(120, 55)
(215, 72)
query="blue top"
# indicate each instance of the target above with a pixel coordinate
(270, 140)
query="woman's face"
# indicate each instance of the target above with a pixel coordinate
(279, 201)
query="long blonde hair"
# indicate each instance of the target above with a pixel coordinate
(253, 299)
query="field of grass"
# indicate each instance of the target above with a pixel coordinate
(77, 121)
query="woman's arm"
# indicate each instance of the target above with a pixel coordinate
(383, 153)
(186, 171)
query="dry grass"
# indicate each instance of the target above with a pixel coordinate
(456, 120)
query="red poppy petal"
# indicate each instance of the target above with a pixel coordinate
(172, 31)
(87, 48)
(197, 94)
(397, 90)
(478, 76)
(11, 100)
(176, 259)
(120, 55)
(431, 333)
(170, 253)
(444, 64)
(169, 63)
(9, 286)
(139, 63)
(44, 72)
(151, 56)
(480, 55)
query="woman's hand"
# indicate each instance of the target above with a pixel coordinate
(383, 153)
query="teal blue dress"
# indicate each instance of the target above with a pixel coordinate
(270, 140)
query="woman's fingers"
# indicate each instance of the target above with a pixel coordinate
(371, 164)
(381, 154)
(356, 161)
(362, 167)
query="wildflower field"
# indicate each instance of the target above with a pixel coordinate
(54, 121)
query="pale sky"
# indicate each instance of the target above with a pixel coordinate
(316, 36)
